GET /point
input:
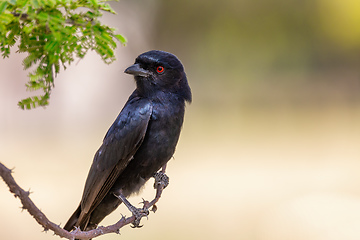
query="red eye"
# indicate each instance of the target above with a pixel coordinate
(160, 69)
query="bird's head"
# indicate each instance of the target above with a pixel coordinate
(156, 71)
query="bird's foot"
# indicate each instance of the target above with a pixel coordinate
(139, 213)
(161, 179)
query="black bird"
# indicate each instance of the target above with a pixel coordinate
(140, 141)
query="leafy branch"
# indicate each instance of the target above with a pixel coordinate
(40, 217)
(53, 33)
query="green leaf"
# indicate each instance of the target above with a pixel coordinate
(33, 102)
(28, 29)
(121, 38)
(51, 46)
(43, 16)
(94, 2)
(38, 74)
(25, 102)
(30, 60)
(35, 85)
(51, 3)
(35, 3)
(106, 7)
(19, 3)
(6, 18)
(106, 37)
(6, 51)
(57, 19)
(3, 6)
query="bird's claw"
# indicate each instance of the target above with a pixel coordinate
(161, 182)
(139, 213)
(145, 202)
(161, 179)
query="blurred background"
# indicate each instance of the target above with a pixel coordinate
(270, 145)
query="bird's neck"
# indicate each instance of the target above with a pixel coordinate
(158, 96)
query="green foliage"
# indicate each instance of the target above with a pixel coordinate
(53, 33)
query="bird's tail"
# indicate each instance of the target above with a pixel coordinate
(73, 220)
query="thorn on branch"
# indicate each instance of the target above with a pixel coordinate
(117, 231)
(27, 193)
(154, 208)
(76, 230)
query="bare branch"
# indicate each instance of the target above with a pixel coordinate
(40, 217)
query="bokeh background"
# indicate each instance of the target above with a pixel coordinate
(270, 145)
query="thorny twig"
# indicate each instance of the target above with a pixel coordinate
(40, 217)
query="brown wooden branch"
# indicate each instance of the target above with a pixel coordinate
(40, 217)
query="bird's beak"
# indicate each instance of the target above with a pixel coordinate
(136, 70)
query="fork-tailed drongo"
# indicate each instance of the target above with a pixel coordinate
(140, 141)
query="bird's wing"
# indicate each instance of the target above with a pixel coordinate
(120, 144)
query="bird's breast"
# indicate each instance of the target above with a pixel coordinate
(161, 136)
